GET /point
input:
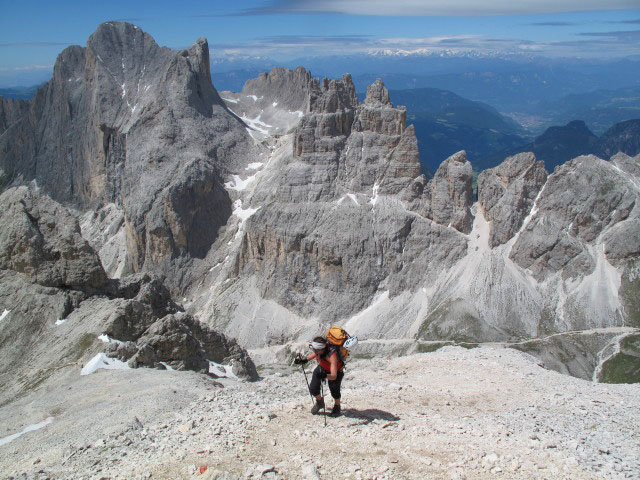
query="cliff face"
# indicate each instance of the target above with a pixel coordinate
(126, 122)
(336, 231)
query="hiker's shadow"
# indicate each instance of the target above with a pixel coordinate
(369, 415)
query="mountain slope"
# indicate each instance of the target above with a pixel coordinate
(444, 414)
(623, 137)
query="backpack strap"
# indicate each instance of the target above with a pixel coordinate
(336, 349)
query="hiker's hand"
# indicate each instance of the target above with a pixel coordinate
(300, 361)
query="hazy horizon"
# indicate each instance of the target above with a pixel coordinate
(33, 33)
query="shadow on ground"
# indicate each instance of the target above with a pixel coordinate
(369, 415)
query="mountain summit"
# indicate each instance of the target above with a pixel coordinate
(128, 123)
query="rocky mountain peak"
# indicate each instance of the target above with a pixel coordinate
(126, 122)
(331, 95)
(289, 89)
(507, 192)
(41, 240)
(451, 193)
(377, 94)
(113, 39)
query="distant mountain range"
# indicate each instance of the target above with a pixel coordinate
(557, 145)
(446, 123)
(511, 83)
(599, 109)
(19, 92)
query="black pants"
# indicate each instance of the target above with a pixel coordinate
(334, 385)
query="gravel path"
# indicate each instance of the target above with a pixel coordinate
(454, 413)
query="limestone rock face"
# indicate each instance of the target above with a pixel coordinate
(583, 199)
(276, 210)
(336, 232)
(11, 111)
(290, 89)
(447, 197)
(125, 121)
(377, 94)
(507, 193)
(343, 147)
(42, 240)
(58, 306)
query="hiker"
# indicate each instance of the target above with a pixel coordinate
(330, 367)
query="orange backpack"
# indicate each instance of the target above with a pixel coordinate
(336, 336)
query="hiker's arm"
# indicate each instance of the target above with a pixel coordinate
(311, 356)
(334, 368)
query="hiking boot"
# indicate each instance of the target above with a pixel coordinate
(335, 411)
(317, 407)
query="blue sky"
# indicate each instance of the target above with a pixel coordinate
(32, 33)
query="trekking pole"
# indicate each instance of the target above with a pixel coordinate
(324, 405)
(307, 380)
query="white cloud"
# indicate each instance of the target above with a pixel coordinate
(441, 7)
(27, 68)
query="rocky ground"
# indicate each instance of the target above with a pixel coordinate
(453, 413)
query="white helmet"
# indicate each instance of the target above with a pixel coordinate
(350, 342)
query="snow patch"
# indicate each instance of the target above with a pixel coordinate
(27, 429)
(256, 124)
(167, 366)
(243, 213)
(230, 100)
(274, 104)
(351, 196)
(237, 183)
(254, 165)
(106, 339)
(61, 321)
(220, 370)
(102, 361)
(4, 314)
(374, 197)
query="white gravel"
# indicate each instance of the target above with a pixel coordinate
(454, 413)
